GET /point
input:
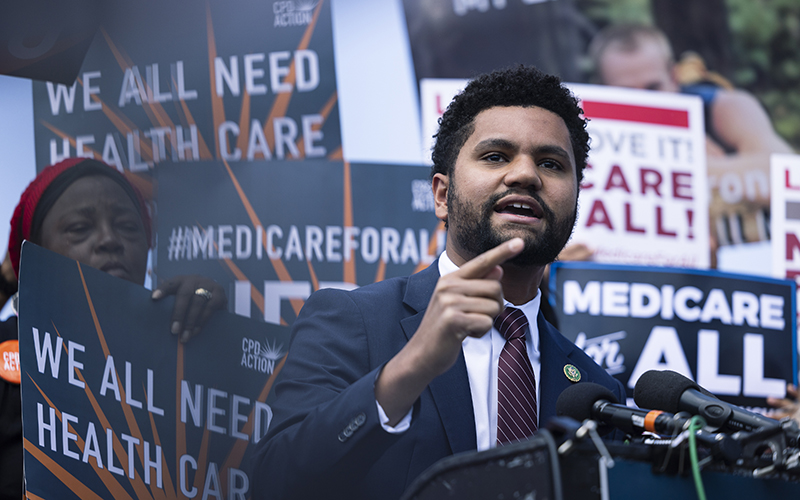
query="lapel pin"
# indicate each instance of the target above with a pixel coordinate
(572, 373)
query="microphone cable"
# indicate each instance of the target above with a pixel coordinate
(695, 424)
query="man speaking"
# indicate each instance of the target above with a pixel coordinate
(383, 381)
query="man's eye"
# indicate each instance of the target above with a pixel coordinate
(551, 164)
(494, 157)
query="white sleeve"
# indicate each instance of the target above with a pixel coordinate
(401, 426)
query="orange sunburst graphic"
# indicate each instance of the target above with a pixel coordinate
(112, 463)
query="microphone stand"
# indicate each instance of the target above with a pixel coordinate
(576, 434)
(771, 449)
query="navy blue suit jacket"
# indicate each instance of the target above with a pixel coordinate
(326, 440)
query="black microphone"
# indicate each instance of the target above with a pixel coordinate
(588, 400)
(593, 401)
(671, 391)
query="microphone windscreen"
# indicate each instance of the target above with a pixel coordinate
(661, 390)
(576, 401)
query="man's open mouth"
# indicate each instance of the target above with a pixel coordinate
(521, 208)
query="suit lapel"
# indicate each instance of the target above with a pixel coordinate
(450, 391)
(556, 353)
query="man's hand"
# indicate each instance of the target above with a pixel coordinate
(464, 304)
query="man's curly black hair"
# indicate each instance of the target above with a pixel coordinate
(523, 86)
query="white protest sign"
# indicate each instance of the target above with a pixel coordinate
(644, 199)
(785, 215)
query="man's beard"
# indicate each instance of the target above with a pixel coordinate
(473, 231)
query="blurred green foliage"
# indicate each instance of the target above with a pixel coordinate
(766, 44)
(766, 50)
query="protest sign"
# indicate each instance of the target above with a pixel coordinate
(274, 232)
(785, 216)
(644, 198)
(732, 334)
(115, 407)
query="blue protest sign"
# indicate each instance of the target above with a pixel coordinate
(733, 334)
(114, 406)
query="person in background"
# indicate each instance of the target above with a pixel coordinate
(383, 381)
(8, 282)
(739, 135)
(788, 406)
(88, 211)
(10, 420)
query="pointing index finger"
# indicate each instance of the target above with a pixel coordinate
(485, 262)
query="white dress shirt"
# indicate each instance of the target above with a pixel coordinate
(482, 355)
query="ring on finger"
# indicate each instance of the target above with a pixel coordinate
(202, 292)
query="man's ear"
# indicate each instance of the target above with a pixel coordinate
(440, 184)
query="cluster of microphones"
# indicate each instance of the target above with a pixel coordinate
(668, 405)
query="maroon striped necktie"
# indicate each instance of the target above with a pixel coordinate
(516, 385)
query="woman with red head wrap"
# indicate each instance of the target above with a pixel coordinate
(88, 211)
